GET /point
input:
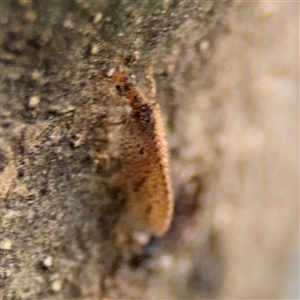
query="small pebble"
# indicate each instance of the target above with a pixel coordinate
(48, 261)
(97, 18)
(204, 45)
(6, 244)
(111, 72)
(95, 49)
(141, 238)
(136, 55)
(25, 2)
(68, 24)
(166, 260)
(8, 272)
(56, 285)
(30, 15)
(36, 75)
(34, 101)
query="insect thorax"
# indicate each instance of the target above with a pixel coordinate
(143, 114)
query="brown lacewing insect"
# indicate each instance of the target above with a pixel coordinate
(145, 159)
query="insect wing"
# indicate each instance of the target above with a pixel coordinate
(146, 168)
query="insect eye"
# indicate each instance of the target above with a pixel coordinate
(119, 88)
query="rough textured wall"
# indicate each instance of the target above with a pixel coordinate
(227, 76)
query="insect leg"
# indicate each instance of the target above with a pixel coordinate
(151, 92)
